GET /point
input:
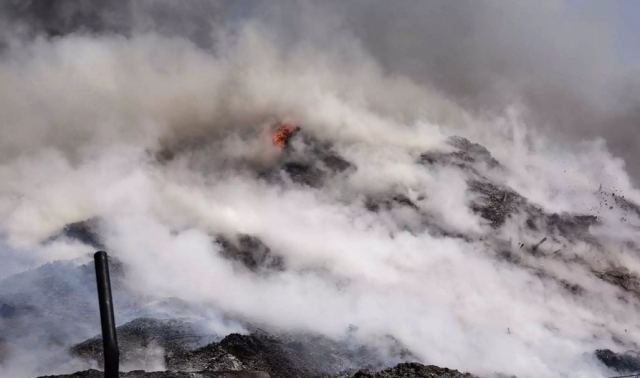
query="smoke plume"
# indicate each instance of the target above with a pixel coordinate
(156, 118)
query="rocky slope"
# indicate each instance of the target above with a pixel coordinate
(517, 234)
(257, 354)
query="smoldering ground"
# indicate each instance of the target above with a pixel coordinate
(159, 126)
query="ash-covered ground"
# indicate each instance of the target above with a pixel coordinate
(278, 201)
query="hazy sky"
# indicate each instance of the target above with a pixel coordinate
(628, 13)
(573, 64)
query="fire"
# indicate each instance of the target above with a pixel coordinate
(283, 133)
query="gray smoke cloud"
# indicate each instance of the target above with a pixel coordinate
(559, 60)
(155, 116)
(564, 62)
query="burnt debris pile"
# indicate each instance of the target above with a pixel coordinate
(257, 354)
(623, 363)
(161, 337)
(250, 252)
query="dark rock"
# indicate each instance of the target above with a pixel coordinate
(387, 203)
(628, 362)
(572, 288)
(304, 173)
(622, 278)
(237, 352)
(405, 201)
(413, 370)
(208, 358)
(309, 161)
(467, 154)
(473, 151)
(531, 224)
(570, 226)
(456, 158)
(509, 257)
(265, 353)
(335, 163)
(251, 252)
(495, 203)
(421, 221)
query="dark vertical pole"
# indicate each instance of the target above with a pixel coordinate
(109, 339)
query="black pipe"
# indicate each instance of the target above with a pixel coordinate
(109, 339)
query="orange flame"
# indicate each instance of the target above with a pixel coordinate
(283, 133)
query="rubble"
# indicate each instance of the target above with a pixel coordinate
(305, 160)
(242, 352)
(250, 252)
(412, 370)
(495, 203)
(570, 226)
(622, 278)
(387, 203)
(167, 374)
(624, 363)
(609, 200)
(473, 152)
(304, 173)
(334, 163)
(404, 370)
(174, 336)
(466, 155)
(278, 355)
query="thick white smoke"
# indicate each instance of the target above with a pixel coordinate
(85, 117)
